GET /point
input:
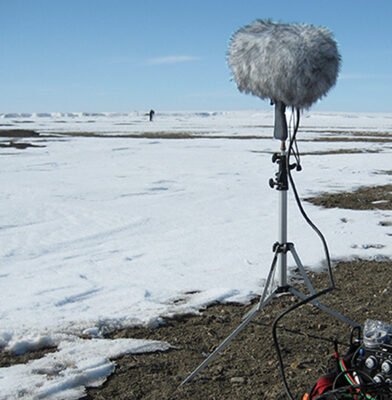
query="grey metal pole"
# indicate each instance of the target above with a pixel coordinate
(282, 256)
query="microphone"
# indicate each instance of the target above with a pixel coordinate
(294, 65)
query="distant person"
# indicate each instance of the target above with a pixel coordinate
(151, 114)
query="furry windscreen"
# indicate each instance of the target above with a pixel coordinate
(293, 63)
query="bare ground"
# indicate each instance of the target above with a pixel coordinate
(248, 368)
(366, 198)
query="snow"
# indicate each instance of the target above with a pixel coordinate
(108, 232)
(65, 374)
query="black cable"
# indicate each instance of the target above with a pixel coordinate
(326, 251)
(369, 389)
(381, 390)
(295, 151)
(275, 336)
(308, 335)
(299, 204)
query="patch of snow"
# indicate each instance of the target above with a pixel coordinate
(65, 373)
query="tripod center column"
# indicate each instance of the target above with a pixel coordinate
(282, 256)
(283, 188)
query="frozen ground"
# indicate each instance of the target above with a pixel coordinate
(102, 233)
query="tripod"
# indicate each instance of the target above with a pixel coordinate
(282, 248)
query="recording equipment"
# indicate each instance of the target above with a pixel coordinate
(294, 65)
(374, 356)
(365, 372)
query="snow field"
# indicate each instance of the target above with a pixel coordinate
(104, 233)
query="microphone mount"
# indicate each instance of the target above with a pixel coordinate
(281, 181)
(280, 127)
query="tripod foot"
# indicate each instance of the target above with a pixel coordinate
(247, 319)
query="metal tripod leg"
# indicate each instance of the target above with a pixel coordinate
(266, 297)
(312, 291)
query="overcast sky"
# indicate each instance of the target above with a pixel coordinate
(125, 55)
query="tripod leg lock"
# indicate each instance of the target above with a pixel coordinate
(281, 247)
(282, 289)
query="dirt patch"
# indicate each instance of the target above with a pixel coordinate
(384, 172)
(325, 153)
(8, 359)
(352, 139)
(20, 133)
(349, 132)
(248, 368)
(18, 145)
(339, 152)
(366, 198)
(155, 135)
